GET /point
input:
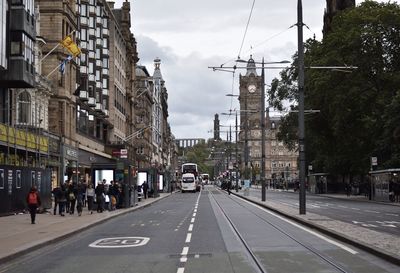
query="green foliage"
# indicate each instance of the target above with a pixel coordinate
(198, 154)
(359, 115)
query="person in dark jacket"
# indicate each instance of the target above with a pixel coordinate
(100, 192)
(62, 199)
(72, 193)
(145, 188)
(55, 193)
(33, 201)
(80, 195)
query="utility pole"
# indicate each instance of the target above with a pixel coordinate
(236, 153)
(262, 133)
(246, 148)
(302, 149)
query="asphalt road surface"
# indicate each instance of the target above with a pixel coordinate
(199, 232)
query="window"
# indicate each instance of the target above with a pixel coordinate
(84, 10)
(16, 44)
(22, 45)
(105, 83)
(84, 36)
(105, 42)
(24, 107)
(91, 22)
(18, 178)
(33, 182)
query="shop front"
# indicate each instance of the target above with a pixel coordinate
(69, 162)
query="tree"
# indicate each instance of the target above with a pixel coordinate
(359, 110)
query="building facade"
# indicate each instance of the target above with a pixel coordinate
(68, 117)
(280, 163)
(24, 98)
(250, 123)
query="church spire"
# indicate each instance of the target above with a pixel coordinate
(251, 67)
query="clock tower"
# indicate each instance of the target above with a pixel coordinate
(250, 107)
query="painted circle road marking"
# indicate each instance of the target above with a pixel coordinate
(119, 242)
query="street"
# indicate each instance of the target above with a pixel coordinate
(208, 231)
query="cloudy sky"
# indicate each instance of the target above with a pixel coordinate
(190, 36)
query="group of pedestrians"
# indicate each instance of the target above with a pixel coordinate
(71, 195)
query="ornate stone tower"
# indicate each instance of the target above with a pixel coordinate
(250, 107)
(332, 8)
(216, 128)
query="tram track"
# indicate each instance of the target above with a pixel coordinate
(260, 266)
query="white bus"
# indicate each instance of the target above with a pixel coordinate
(190, 168)
(188, 182)
(187, 170)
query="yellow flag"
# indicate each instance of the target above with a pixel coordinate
(72, 47)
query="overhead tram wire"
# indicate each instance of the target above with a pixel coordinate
(247, 26)
(256, 46)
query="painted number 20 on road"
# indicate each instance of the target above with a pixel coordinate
(119, 242)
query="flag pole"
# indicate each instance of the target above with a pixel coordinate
(54, 48)
(54, 70)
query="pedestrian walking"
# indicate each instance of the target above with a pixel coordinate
(55, 193)
(145, 188)
(72, 192)
(229, 187)
(99, 191)
(62, 199)
(89, 196)
(80, 192)
(33, 201)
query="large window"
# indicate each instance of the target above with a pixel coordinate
(22, 45)
(3, 33)
(24, 107)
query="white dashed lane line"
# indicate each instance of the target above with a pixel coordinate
(185, 249)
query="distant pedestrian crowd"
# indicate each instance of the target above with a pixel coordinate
(70, 196)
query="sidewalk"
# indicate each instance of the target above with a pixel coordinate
(18, 236)
(383, 245)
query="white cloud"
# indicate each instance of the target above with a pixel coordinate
(189, 36)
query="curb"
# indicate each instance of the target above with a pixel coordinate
(13, 256)
(394, 259)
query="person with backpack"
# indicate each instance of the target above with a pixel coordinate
(34, 202)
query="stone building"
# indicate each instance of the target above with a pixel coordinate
(250, 125)
(280, 163)
(24, 97)
(143, 114)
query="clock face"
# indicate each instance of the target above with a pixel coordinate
(252, 88)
